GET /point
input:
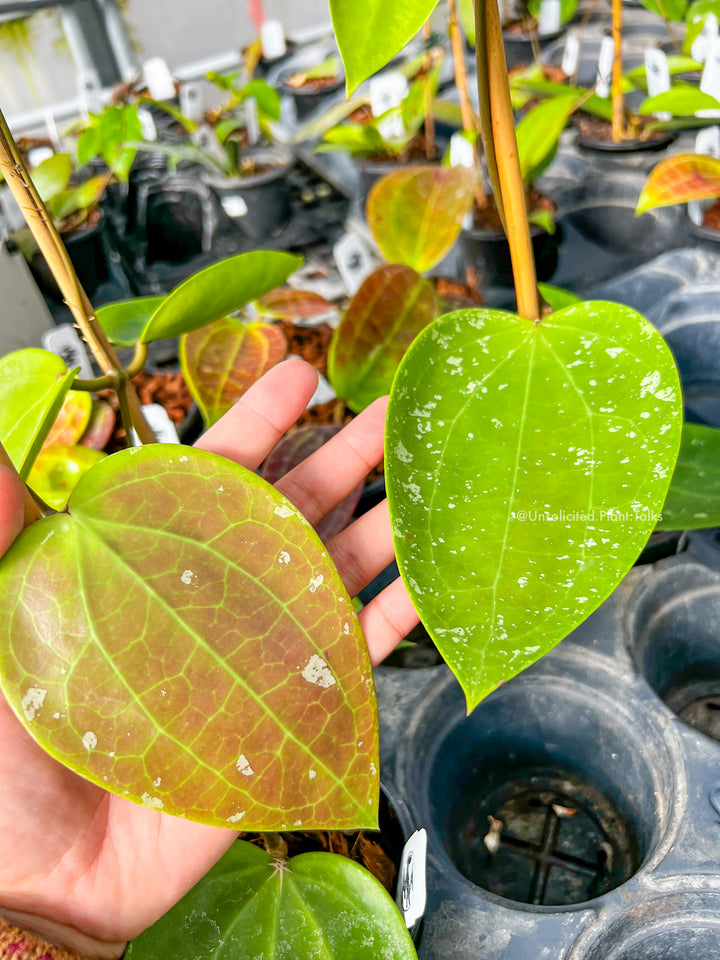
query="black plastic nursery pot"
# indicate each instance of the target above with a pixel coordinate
(519, 46)
(574, 813)
(487, 253)
(259, 203)
(90, 251)
(309, 97)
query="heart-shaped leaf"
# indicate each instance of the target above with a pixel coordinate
(71, 421)
(218, 290)
(57, 471)
(292, 450)
(181, 637)
(526, 465)
(693, 500)
(124, 321)
(686, 176)
(416, 214)
(370, 35)
(386, 314)
(221, 361)
(101, 426)
(317, 906)
(33, 385)
(288, 304)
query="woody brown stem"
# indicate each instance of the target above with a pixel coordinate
(618, 101)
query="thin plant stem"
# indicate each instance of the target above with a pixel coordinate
(430, 149)
(33, 506)
(52, 248)
(618, 100)
(468, 117)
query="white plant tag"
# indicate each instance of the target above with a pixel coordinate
(12, 214)
(412, 887)
(252, 120)
(571, 55)
(158, 79)
(707, 142)
(658, 76)
(38, 154)
(462, 152)
(354, 261)
(65, 342)
(160, 424)
(191, 101)
(388, 91)
(710, 80)
(205, 139)
(705, 39)
(51, 127)
(272, 37)
(90, 92)
(234, 206)
(147, 124)
(604, 70)
(549, 17)
(323, 393)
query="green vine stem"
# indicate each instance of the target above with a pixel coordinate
(34, 507)
(52, 248)
(498, 133)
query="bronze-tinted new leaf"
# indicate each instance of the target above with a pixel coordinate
(686, 176)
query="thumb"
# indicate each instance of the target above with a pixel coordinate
(12, 512)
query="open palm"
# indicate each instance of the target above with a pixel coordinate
(88, 870)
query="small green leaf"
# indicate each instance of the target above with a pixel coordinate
(416, 214)
(667, 9)
(386, 314)
(370, 35)
(125, 320)
(693, 500)
(681, 100)
(221, 361)
(317, 906)
(322, 71)
(266, 97)
(33, 385)
(181, 637)
(526, 464)
(52, 175)
(556, 297)
(543, 219)
(538, 133)
(677, 63)
(82, 197)
(57, 471)
(218, 290)
(356, 139)
(88, 145)
(118, 126)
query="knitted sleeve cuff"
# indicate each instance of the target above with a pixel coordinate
(16, 944)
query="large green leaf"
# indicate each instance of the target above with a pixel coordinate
(386, 314)
(181, 637)
(693, 500)
(33, 385)
(221, 361)
(667, 9)
(538, 133)
(370, 34)
(526, 464)
(52, 175)
(416, 214)
(682, 100)
(317, 906)
(124, 321)
(219, 290)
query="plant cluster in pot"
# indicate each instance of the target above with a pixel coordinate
(309, 84)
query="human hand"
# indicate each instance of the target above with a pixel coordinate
(89, 870)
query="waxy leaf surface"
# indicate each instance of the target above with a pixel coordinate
(317, 906)
(181, 637)
(693, 500)
(416, 214)
(686, 176)
(219, 290)
(33, 385)
(290, 451)
(370, 35)
(289, 304)
(526, 465)
(682, 100)
(124, 321)
(57, 471)
(389, 310)
(221, 361)
(72, 419)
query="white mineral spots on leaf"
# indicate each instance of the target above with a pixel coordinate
(644, 415)
(283, 558)
(184, 459)
(402, 453)
(312, 774)
(297, 823)
(50, 533)
(112, 753)
(243, 765)
(284, 512)
(63, 670)
(188, 577)
(32, 701)
(522, 581)
(318, 672)
(163, 693)
(56, 716)
(346, 628)
(221, 489)
(373, 769)
(614, 351)
(236, 817)
(89, 740)
(154, 802)
(157, 781)
(315, 582)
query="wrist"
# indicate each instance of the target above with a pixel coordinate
(24, 937)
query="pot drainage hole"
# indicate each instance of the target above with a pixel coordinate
(544, 837)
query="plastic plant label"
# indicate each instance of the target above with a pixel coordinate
(51, 127)
(158, 79)
(710, 80)
(160, 423)
(38, 154)
(412, 885)
(462, 152)
(324, 393)
(549, 18)
(571, 54)
(354, 261)
(90, 92)
(705, 41)
(658, 75)
(234, 206)
(252, 120)
(64, 341)
(386, 92)
(272, 37)
(147, 124)
(604, 70)
(191, 101)
(707, 143)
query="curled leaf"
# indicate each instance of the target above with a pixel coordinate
(677, 179)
